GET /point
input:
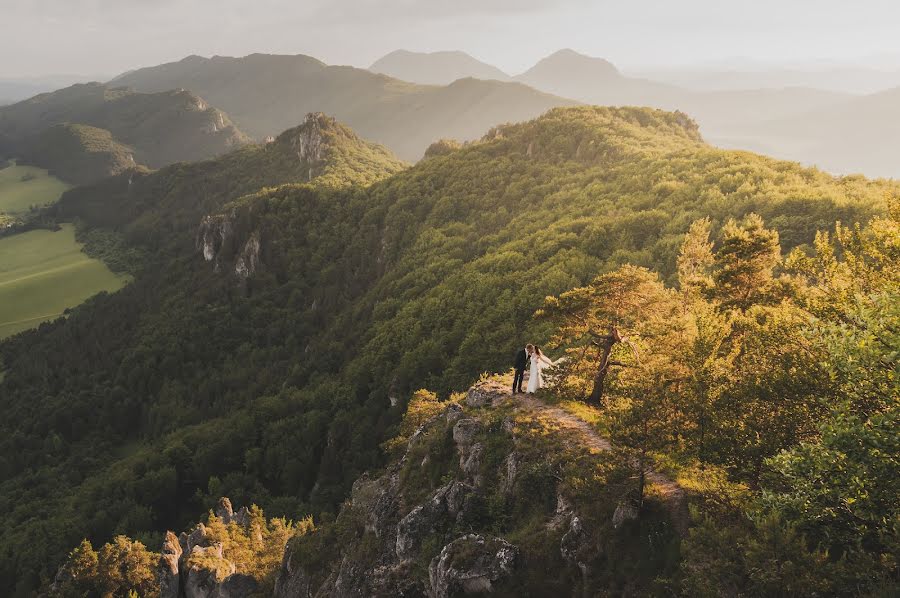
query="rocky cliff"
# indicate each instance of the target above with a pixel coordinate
(325, 154)
(486, 496)
(195, 565)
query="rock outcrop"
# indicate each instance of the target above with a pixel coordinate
(193, 566)
(472, 564)
(308, 141)
(232, 240)
(432, 523)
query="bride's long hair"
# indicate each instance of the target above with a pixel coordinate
(537, 351)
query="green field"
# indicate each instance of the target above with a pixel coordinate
(42, 273)
(24, 186)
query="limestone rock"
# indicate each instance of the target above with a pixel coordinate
(168, 568)
(248, 260)
(308, 141)
(578, 549)
(207, 569)
(509, 471)
(444, 506)
(486, 394)
(624, 512)
(388, 581)
(224, 510)
(472, 564)
(237, 585)
(378, 500)
(470, 452)
(292, 581)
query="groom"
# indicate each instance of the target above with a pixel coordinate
(522, 358)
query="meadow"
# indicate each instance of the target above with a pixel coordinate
(42, 273)
(24, 186)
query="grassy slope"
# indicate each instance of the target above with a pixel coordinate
(45, 273)
(17, 195)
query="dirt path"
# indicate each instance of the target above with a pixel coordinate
(671, 493)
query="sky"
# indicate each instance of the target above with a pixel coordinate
(107, 37)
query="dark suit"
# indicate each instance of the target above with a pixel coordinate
(520, 365)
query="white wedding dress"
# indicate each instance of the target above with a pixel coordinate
(535, 376)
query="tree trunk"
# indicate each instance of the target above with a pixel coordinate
(606, 346)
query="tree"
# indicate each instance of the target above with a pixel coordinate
(695, 261)
(744, 263)
(596, 322)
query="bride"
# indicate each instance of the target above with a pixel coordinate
(539, 362)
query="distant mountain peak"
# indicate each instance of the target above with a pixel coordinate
(568, 58)
(435, 68)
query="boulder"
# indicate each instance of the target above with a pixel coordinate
(472, 564)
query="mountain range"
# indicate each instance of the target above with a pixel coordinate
(294, 294)
(447, 95)
(266, 94)
(835, 130)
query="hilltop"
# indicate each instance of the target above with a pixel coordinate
(435, 68)
(160, 128)
(77, 153)
(164, 207)
(403, 116)
(271, 343)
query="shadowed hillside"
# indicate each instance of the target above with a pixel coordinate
(77, 153)
(161, 128)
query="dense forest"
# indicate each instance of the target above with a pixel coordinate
(141, 408)
(764, 385)
(76, 153)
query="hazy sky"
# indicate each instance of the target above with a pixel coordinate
(40, 37)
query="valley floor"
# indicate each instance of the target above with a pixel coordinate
(42, 273)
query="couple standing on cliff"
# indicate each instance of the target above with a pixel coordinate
(539, 362)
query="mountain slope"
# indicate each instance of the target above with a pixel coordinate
(435, 68)
(267, 93)
(162, 209)
(268, 349)
(162, 128)
(77, 153)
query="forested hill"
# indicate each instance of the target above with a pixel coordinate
(77, 153)
(403, 116)
(159, 128)
(161, 210)
(277, 386)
